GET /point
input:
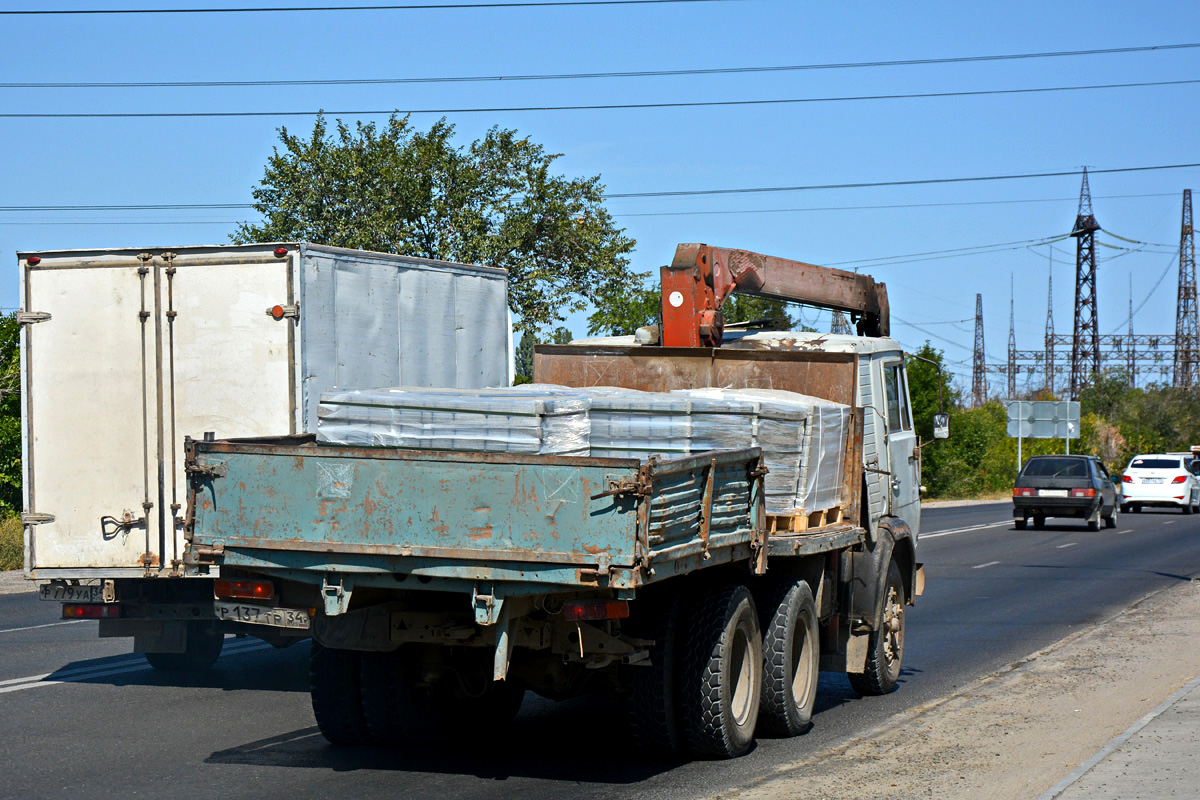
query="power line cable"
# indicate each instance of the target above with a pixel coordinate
(585, 75)
(596, 107)
(684, 193)
(405, 7)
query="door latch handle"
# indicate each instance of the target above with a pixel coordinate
(895, 483)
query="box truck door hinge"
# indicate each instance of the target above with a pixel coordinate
(30, 317)
(34, 518)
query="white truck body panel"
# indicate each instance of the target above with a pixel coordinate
(138, 353)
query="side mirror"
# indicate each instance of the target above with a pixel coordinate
(941, 426)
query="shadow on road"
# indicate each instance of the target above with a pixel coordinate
(580, 740)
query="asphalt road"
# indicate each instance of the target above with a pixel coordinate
(80, 715)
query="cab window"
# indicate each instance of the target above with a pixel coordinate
(898, 415)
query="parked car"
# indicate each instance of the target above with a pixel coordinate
(1065, 486)
(1160, 479)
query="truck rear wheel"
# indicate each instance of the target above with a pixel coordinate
(885, 649)
(336, 695)
(721, 673)
(203, 648)
(651, 702)
(408, 701)
(791, 660)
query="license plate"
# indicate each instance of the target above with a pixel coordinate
(69, 593)
(1052, 492)
(262, 615)
(1152, 480)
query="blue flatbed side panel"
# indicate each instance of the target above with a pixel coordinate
(319, 499)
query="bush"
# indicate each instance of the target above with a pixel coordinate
(12, 543)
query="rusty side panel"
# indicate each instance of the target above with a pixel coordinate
(661, 369)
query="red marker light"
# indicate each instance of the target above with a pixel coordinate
(247, 589)
(280, 252)
(277, 312)
(90, 611)
(581, 610)
(33, 261)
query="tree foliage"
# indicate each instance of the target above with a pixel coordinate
(10, 415)
(396, 189)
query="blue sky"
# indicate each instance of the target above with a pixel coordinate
(56, 162)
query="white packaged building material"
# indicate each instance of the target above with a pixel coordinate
(803, 440)
(240, 340)
(485, 420)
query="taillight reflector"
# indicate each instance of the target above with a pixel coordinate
(1083, 493)
(582, 610)
(90, 611)
(33, 261)
(244, 589)
(1024, 492)
(1126, 479)
(1179, 479)
(280, 252)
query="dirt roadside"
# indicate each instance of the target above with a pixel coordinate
(1019, 731)
(13, 581)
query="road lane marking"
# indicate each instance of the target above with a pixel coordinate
(133, 664)
(1068, 544)
(967, 529)
(1127, 530)
(47, 625)
(988, 564)
(1169, 522)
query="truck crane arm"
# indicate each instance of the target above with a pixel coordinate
(702, 277)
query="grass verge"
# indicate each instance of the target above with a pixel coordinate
(12, 544)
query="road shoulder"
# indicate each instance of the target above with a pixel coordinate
(1021, 730)
(13, 582)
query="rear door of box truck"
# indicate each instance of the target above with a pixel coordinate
(123, 354)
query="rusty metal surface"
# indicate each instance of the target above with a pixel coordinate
(585, 522)
(830, 376)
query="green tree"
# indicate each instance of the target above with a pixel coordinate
(10, 414)
(929, 389)
(397, 189)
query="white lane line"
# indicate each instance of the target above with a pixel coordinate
(988, 564)
(1068, 544)
(47, 625)
(135, 664)
(1169, 522)
(1127, 530)
(967, 529)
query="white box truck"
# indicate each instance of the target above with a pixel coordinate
(125, 352)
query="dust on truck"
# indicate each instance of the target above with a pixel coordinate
(439, 586)
(124, 352)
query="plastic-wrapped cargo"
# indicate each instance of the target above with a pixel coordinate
(630, 423)
(479, 420)
(802, 439)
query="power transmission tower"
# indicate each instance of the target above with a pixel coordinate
(1085, 352)
(840, 324)
(1132, 349)
(979, 368)
(1050, 326)
(1012, 342)
(1187, 337)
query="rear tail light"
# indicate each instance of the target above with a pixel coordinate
(583, 610)
(1126, 479)
(280, 252)
(1083, 493)
(1178, 479)
(90, 611)
(1020, 492)
(244, 589)
(33, 261)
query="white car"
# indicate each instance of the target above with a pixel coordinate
(1161, 480)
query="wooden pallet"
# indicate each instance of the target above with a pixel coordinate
(800, 521)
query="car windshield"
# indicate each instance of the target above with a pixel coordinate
(1055, 468)
(1154, 463)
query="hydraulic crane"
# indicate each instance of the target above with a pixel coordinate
(702, 277)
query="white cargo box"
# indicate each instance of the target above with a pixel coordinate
(126, 352)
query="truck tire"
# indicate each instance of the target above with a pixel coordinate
(203, 648)
(791, 661)
(337, 695)
(401, 707)
(651, 700)
(721, 673)
(885, 649)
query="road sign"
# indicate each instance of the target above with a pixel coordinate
(1043, 419)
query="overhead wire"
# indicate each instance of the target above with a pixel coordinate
(589, 107)
(43, 12)
(587, 75)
